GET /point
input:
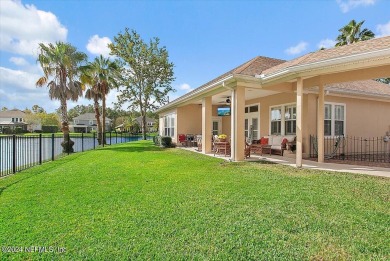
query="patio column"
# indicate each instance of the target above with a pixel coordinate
(206, 124)
(237, 124)
(320, 123)
(299, 122)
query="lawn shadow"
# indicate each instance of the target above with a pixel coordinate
(264, 162)
(47, 168)
(144, 147)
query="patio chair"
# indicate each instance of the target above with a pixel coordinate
(183, 139)
(199, 142)
(247, 150)
(190, 139)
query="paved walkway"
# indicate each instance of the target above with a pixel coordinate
(308, 164)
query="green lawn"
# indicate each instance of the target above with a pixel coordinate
(137, 201)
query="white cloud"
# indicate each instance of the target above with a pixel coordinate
(18, 90)
(185, 87)
(23, 27)
(18, 61)
(383, 29)
(299, 48)
(97, 45)
(326, 43)
(346, 5)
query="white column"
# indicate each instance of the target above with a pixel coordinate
(238, 124)
(320, 122)
(299, 121)
(206, 124)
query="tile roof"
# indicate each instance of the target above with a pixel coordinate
(367, 87)
(88, 116)
(251, 68)
(335, 52)
(12, 113)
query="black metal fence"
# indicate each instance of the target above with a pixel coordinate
(376, 149)
(19, 152)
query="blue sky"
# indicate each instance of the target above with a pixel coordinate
(204, 38)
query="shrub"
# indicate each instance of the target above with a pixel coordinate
(166, 142)
(49, 128)
(157, 140)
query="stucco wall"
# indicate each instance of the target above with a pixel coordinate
(189, 119)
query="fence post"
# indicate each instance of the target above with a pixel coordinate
(116, 137)
(68, 148)
(82, 142)
(40, 148)
(52, 146)
(14, 153)
(110, 138)
(103, 138)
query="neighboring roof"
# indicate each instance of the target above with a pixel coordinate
(335, 52)
(367, 87)
(139, 120)
(12, 123)
(12, 113)
(88, 116)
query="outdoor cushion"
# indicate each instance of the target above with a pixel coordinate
(277, 140)
(264, 141)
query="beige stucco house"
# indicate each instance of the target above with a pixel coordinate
(325, 93)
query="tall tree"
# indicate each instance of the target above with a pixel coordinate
(60, 63)
(100, 74)
(146, 72)
(352, 32)
(91, 94)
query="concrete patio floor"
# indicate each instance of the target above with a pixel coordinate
(308, 164)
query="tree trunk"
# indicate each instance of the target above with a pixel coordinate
(104, 114)
(67, 143)
(144, 125)
(98, 122)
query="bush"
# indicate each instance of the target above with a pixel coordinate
(49, 128)
(157, 140)
(37, 131)
(166, 142)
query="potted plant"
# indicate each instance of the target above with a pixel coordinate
(222, 137)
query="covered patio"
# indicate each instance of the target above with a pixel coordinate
(263, 80)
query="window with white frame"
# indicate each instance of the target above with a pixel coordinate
(290, 119)
(334, 119)
(328, 120)
(283, 119)
(276, 120)
(169, 125)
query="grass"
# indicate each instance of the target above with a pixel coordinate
(137, 201)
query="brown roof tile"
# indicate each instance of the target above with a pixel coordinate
(346, 50)
(252, 67)
(367, 87)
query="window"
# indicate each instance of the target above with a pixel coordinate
(334, 120)
(338, 120)
(169, 125)
(290, 119)
(276, 120)
(328, 120)
(16, 119)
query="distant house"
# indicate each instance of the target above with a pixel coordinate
(150, 124)
(12, 119)
(87, 122)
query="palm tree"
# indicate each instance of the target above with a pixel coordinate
(60, 63)
(352, 33)
(99, 74)
(91, 94)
